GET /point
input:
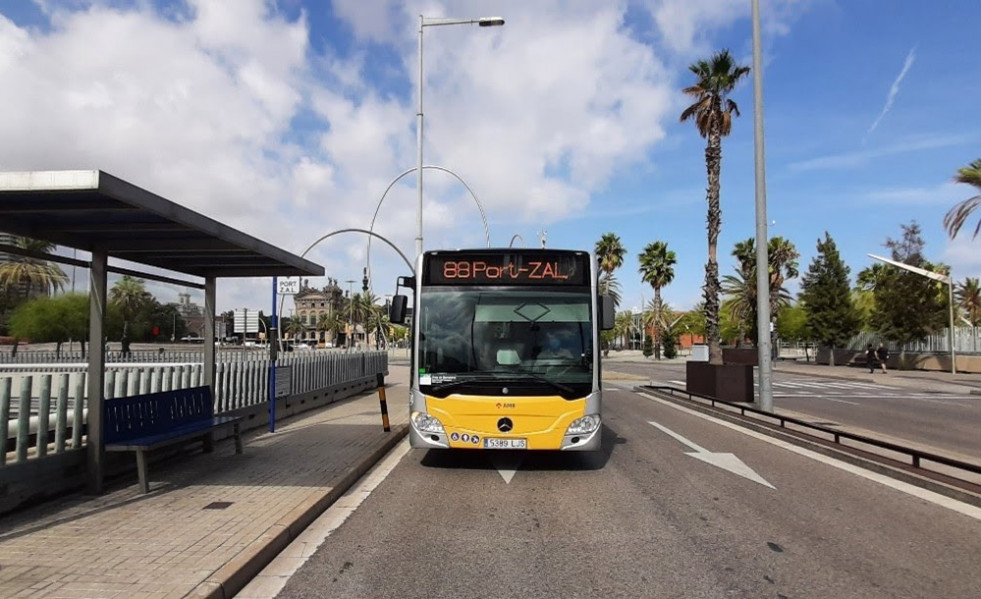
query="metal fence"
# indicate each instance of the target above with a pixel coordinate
(43, 406)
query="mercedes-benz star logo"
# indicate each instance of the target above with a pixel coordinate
(505, 425)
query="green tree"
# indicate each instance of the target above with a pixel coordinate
(712, 113)
(670, 345)
(968, 296)
(26, 277)
(657, 269)
(958, 215)
(792, 326)
(908, 306)
(53, 320)
(692, 322)
(648, 346)
(609, 254)
(830, 314)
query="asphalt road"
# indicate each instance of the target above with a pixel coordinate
(948, 422)
(643, 518)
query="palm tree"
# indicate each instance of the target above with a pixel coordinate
(26, 276)
(657, 269)
(712, 113)
(130, 296)
(333, 323)
(293, 326)
(954, 219)
(623, 325)
(969, 300)
(741, 288)
(740, 302)
(609, 255)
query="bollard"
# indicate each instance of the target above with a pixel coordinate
(381, 399)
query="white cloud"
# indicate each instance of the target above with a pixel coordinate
(687, 26)
(944, 194)
(894, 89)
(227, 109)
(847, 160)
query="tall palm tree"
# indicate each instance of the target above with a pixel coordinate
(712, 112)
(26, 276)
(657, 269)
(129, 294)
(954, 219)
(969, 300)
(609, 254)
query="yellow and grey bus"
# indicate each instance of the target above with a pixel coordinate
(505, 349)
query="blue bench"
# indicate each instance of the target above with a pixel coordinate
(142, 423)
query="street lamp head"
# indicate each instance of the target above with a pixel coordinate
(490, 22)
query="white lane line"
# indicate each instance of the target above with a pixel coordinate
(273, 577)
(903, 487)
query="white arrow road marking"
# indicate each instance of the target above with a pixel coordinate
(506, 464)
(726, 461)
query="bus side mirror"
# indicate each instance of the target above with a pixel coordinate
(396, 312)
(607, 312)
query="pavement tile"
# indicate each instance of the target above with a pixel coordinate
(166, 544)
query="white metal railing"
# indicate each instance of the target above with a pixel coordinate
(48, 402)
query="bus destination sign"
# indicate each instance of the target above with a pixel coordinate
(511, 268)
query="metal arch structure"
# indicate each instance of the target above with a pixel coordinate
(371, 227)
(370, 234)
(514, 237)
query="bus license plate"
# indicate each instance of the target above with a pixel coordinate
(505, 444)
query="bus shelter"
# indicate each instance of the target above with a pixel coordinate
(108, 217)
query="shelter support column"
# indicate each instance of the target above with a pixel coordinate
(209, 332)
(95, 463)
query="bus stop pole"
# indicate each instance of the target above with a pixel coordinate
(272, 359)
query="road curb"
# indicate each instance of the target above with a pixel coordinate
(231, 578)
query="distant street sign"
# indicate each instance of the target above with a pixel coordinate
(289, 286)
(246, 321)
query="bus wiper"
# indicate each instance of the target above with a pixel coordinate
(539, 378)
(438, 387)
(509, 376)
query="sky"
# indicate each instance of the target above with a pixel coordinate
(293, 119)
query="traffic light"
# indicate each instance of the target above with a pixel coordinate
(364, 281)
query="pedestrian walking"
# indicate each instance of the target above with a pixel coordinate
(882, 354)
(870, 358)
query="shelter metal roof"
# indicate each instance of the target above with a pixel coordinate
(92, 209)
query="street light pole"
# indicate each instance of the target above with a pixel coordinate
(482, 22)
(350, 307)
(949, 280)
(763, 335)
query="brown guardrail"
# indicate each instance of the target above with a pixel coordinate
(916, 455)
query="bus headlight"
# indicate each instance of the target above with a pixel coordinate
(425, 423)
(584, 425)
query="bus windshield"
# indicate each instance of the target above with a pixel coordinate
(472, 340)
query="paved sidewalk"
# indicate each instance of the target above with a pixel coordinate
(211, 521)
(933, 380)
